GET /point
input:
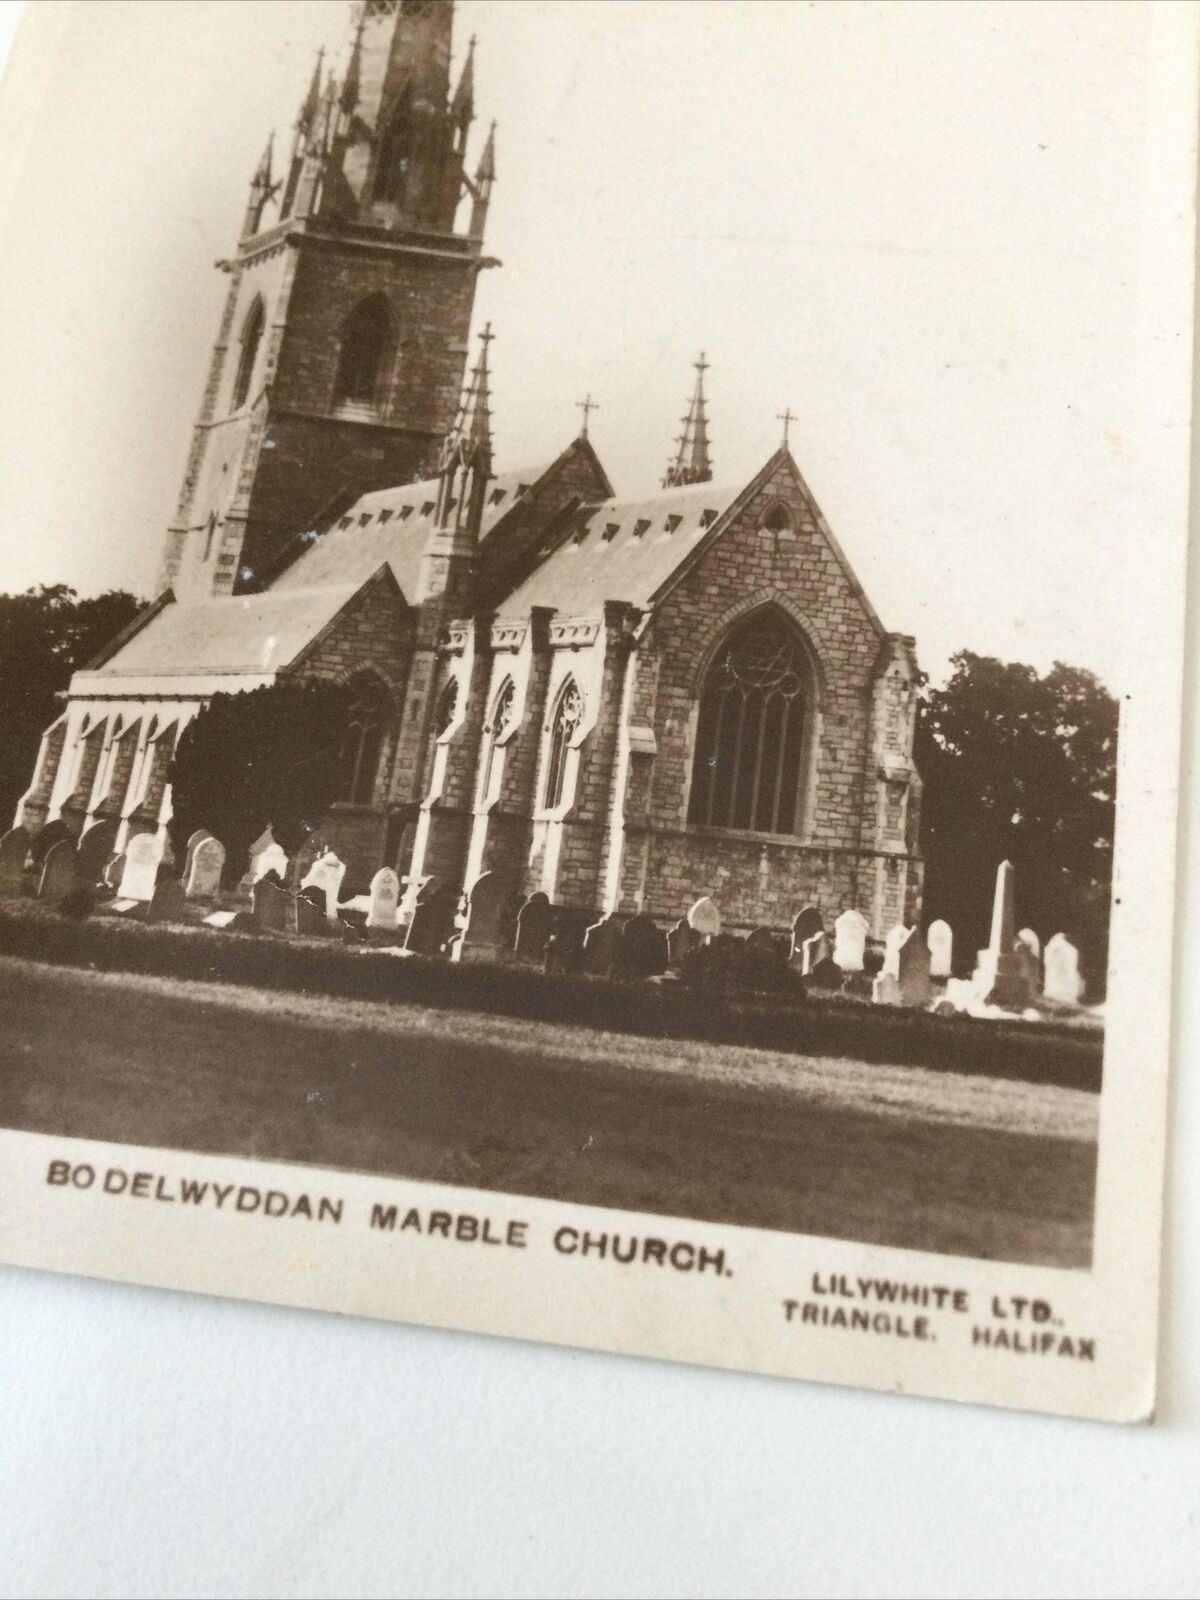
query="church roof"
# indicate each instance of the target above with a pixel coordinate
(392, 526)
(249, 634)
(623, 549)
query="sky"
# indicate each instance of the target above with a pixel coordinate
(916, 226)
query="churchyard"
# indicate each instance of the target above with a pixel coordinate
(808, 1081)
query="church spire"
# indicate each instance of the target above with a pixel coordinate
(465, 470)
(692, 463)
(481, 188)
(462, 107)
(351, 84)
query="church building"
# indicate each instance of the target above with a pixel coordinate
(624, 703)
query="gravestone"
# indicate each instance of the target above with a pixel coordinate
(1062, 982)
(194, 839)
(850, 940)
(308, 912)
(487, 907)
(271, 904)
(826, 975)
(534, 923)
(432, 925)
(115, 869)
(1030, 940)
(384, 912)
(643, 948)
(142, 856)
(58, 871)
(167, 901)
(272, 859)
(207, 862)
(813, 951)
(95, 847)
(326, 874)
(940, 939)
(313, 848)
(681, 941)
(893, 942)
(601, 944)
(14, 847)
(808, 926)
(913, 978)
(704, 919)
(1004, 973)
(255, 866)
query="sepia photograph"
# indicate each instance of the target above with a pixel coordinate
(569, 620)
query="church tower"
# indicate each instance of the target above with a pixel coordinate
(339, 362)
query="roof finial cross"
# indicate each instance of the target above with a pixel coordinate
(587, 406)
(787, 418)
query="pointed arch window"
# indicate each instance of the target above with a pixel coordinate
(252, 333)
(564, 724)
(365, 358)
(750, 735)
(499, 725)
(395, 155)
(362, 742)
(447, 711)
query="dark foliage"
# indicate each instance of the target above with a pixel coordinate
(46, 634)
(1035, 1052)
(1021, 767)
(265, 757)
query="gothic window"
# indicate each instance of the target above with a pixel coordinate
(778, 518)
(252, 332)
(368, 340)
(362, 742)
(391, 167)
(568, 713)
(750, 733)
(500, 724)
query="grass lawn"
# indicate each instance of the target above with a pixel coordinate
(894, 1155)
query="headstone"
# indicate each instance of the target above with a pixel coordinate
(58, 871)
(78, 903)
(893, 942)
(1009, 987)
(826, 975)
(1062, 981)
(432, 925)
(850, 940)
(271, 903)
(167, 901)
(308, 912)
(940, 939)
(681, 941)
(643, 947)
(311, 850)
(326, 874)
(601, 944)
(95, 847)
(272, 859)
(534, 923)
(808, 925)
(1030, 940)
(384, 912)
(812, 952)
(142, 856)
(207, 860)
(220, 919)
(14, 847)
(115, 870)
(487, 905)
(913, 974)
(704, 919)
(194, 839)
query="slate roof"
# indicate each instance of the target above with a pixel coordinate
(237, 635)
(392, 526)
(623, 550)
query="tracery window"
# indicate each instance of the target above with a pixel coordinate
(750, 731)
(568, 714)
(368, 339)
(252, 332)
(362, 741)
(500, 724)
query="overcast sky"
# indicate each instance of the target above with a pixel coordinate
(915, 225)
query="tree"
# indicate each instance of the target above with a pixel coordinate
(1021, 767)
(264, 757)
(46, 634)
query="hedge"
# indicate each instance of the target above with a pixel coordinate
(810, 1025)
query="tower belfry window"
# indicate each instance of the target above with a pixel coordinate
(252, 332)
(392, 163)
(368, 339)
